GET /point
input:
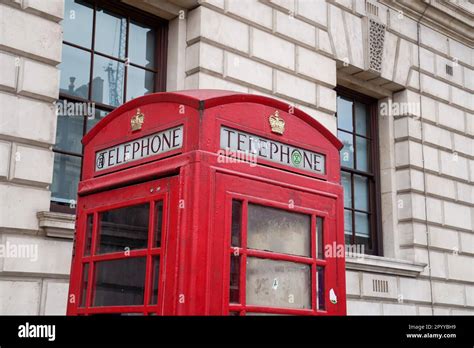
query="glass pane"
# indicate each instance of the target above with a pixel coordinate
(77, 23)
(363, 242)
(236, 223)
(347, 221)
(66, 174)
(344, 114)
(319, 237)
(139, 82)
(89, 225)
(69, 133)
(120, 282)
(321, 289)
(158, 224)
(75, 72)
(234, 296)
(156, 279)
(107, 84)
(98, 116)
(110, 34)
(361, 192)
(278, 230)
(362, 224)
(141, 45)
(123, 228)
(85, 282)
(347, 152)
(362, 146)
(273, 283)
(361, 119)
(346, 184)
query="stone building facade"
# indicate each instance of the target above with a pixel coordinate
(414, 58)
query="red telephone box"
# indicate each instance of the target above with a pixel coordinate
(209, 202)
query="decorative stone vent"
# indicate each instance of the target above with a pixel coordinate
(376, 37)
(449, 70)
(371, 9)
(379, 285)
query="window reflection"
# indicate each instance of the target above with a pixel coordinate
(139, 82)
(65, 178)
(77, 22)
(111, 33)
(75, 71)
(141, 49)
(107, 83)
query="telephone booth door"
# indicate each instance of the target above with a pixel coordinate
(124, 252)
(276, 260)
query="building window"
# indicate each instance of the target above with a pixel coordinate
(357, 130)
(111, 54)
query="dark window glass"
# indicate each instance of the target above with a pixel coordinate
(158, 224)
(77, 23)
(156, 280)
(141, 49)
(111, 34)
(234, 279)
(320, 237)
(65, 178)
(89, 229)
(107, 82)
(85, 282)
(69, 133)
(123, 229)
(120, 282)
(355, 121)
(139, 82)
(236, 222)
(321, 288)
(75, 70)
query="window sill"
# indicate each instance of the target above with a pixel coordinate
(385, 265)
(59, 225)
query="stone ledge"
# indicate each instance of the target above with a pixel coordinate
(385, 265)
(58, 225)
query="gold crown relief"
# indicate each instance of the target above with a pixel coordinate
(277, 123)
(137, 121)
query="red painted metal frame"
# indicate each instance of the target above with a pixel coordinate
(196, 251)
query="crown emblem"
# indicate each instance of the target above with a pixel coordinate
(137, 121)
(277, 123)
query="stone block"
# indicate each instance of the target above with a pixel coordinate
(398, 309)
(356, 307)
(352, 283)
(453, 164)
(52, 9)
(316, 66)
(295, 29)
(246, 70)
(440, 186)
(434, 39)
(31, 34)
(38, 80)
(10, 65)
(435, 87)
(436, 136)
(265, 46)
(33, 164)
(326, 98)
(295, 87)
(5, 148)
(19, 297)
(202, 55)
(55, 297)
(457, 215)
(377, 285)
(451, 117)
(448, 293)
(460, 52)
(443, 238)
(253, 11)
(460, 267)
(315, 11)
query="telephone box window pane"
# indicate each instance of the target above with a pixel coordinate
(362, 146)
(321, 288)
(361, 192)
(140, 82)
(65, 178)
(75, 72)
(319, 237)
(107, 82)
(120, 282)
(361, 119)
(272, 283)
(141, 45)
(122, 228)
(156, 279)
(347, 152)
(236, 222)
(158, 223)
(344, 114)
(346, 184)
(110, 34)
(89, 226)
(85, 282)
(278, 230)
(77, 23)
(234, 279)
